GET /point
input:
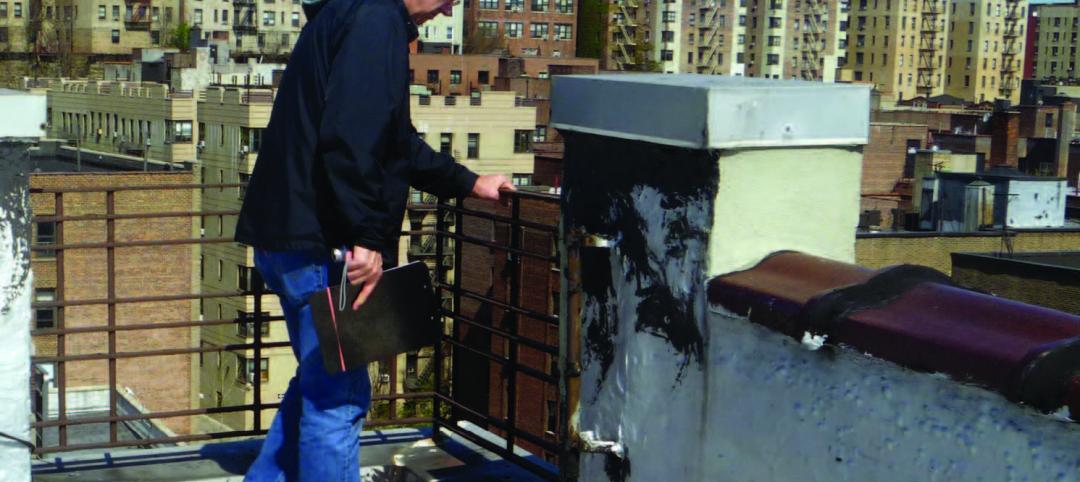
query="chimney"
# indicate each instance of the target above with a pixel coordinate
(669, 180)
(17, 134)
(1005, 134)
(1066, 132)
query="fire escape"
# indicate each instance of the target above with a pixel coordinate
(928, 46)
(815, 37)
(709, 39)
(1009, 75)
(624, 34)
(137, 15)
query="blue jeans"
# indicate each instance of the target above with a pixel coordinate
(316, 433)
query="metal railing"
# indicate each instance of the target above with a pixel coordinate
(498, 312)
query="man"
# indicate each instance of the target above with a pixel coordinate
(334, 169)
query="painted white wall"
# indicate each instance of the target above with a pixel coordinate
(803, 199)
(1036, 204)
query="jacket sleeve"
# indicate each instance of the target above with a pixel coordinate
(434, 172)
(356, 130)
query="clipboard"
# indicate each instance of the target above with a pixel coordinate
(399, 316)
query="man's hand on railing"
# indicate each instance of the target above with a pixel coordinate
(488, 187)
(363, 266)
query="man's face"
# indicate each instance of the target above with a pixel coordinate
(429, 9)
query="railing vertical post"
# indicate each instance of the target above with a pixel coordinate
(256, 282)
(61, 376)
(458, 227)
(440, 278)
(513, 322)
(110, 277)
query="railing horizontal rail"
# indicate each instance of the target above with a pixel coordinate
(161, 352)
(532, 372)
(137, 187)
(531, 466)
(547, 228)
(501, 304)
(130, 244)
(139, 299)
(529, 342)
(147, 326)
(149, 215)
(500, 424)
(203, 411)
(501, 247)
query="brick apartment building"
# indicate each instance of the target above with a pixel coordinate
(529, 77)
(158, 383)
(521, 28)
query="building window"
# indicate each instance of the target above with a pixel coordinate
(455, 77)
(489, 4)
(245, 370)
(220, 263)
(101, 12)
(17, 10)
(564, 6)
(563, 31)
(251, 138)
(522, 179)
(474, 146)
(197, 17)
(296, 19)
(243, 178)
(539, 5)
(44, 317)
(446, 142)
(482, 77)
(523, 141)
(115, 36)
(772, 59)
(667, 55)
(245, 324)
(488, 29)
(3, 34)
(1049, 120)
(179, 131)
(269, 19)
(3, 10)
(432, 76)
(515, 5)
(540, 134)
(538, 30)
(45, 233)
(513, 29)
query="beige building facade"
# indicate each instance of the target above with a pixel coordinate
(247, 27)
(968, 49)
(99, 27)
(1056, 43)
(145, 120)
(768, 39)
(489, 132)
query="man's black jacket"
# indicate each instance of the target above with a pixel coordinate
(340, 150)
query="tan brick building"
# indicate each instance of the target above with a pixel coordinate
(97, 27)
(1045, 279)
(124, 118)
(157, 383)
(1056, 44)
(934, 250)
(969, 49)
(248, 27)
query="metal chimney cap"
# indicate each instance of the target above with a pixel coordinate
(712, 112)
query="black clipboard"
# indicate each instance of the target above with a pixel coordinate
(399, 316)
